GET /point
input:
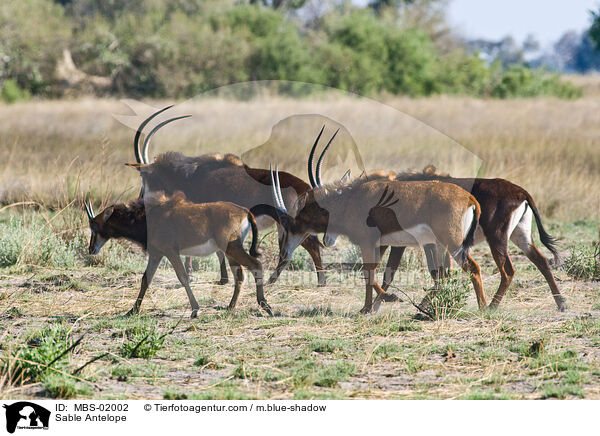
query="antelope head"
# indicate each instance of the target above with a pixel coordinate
(98, 226)
(310, 218)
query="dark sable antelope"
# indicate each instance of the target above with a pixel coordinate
(171, 227)
(213, 177)
(382, 213)
(507, 212)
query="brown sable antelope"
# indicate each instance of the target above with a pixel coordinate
(171, 227)
(382, 213)
(507, 212)
(213, 177)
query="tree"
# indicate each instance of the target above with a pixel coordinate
(594, 31)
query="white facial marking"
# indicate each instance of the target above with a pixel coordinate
(98, 243)
(329, 239)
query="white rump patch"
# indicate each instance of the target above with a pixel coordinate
(520, 234)
(418, 235)
(245, 228)
(201, 250)
(467, 220)
(516, 217)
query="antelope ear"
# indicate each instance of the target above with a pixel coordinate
(141, 167)
(107, 213)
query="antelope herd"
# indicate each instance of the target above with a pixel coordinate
(196, 206)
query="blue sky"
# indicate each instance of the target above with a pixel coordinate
(547, 20)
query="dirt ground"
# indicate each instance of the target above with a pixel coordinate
(316, 345)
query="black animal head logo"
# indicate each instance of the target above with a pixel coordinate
(382, 212)
(26, 415)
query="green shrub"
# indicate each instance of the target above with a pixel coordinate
(520, 81)
(29, 362)
(33, 243)
(142, 341)
(584, 262)
(33, 35)
(449, 299)
(11, 92)
(61, 386)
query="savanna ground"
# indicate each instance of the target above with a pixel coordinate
(316, 346)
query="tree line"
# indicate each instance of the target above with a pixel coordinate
(179, 48)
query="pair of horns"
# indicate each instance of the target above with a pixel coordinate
(89, 209)
(315, 178)
(141, 152)
(276, 190)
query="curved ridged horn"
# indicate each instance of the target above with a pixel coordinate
(320, 161)
(89, 209)
(152, 132)
(276, 190)
(138, 133)
(311, 177)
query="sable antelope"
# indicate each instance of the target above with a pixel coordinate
(507, 212)
(381, 213)
(213, 177)
(170, 227)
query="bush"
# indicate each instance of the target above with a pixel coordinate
(142, 341)
(584, 262)
(11, 92)
(29, 363)
(33, 35)
(520, 81)
(61, 386)
(449, 299)
(33, 244)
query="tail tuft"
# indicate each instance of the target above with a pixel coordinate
(549, 241)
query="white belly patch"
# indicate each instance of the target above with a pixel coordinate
(201, 250)
(418, 235)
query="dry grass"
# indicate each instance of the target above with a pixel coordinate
(316, 346)
(52, 151)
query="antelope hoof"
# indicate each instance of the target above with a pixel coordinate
(390, 298)
(322, 281)
(223, 281)
(132, 312)
(266, 307)
(366, 309)
(194, 314)
(562, 307)
(421, 317)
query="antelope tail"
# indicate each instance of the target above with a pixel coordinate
(254, 244)
(549, 241)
